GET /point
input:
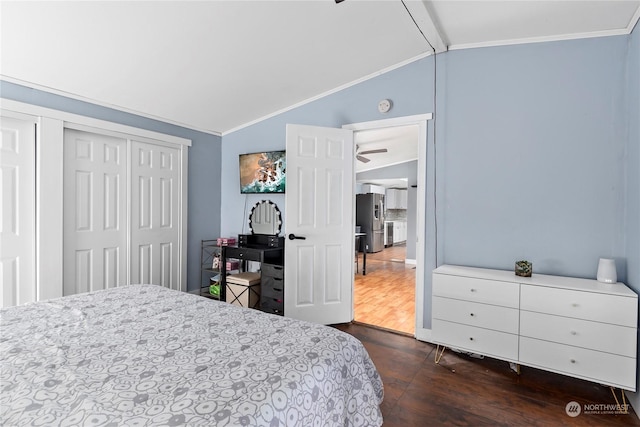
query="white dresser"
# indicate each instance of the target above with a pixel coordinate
(577, 327)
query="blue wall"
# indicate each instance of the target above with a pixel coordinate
(204, 163)
(410, 88)
(530, 153)
(537, 154)
(532, 142)
(632, 206)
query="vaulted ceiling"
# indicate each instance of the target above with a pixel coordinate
(217, 66)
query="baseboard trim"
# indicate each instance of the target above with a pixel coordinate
(423, 334)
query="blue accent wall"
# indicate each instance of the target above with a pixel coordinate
(537, 154)
(531, 153)
(632, 155)
(533, 142)
(204, 163)
(410, 88)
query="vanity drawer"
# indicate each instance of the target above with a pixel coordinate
(476, 340)
(605, 368)
(272, 287)
(580, 333)
(272, 270)
(614, 309)
(272, 305)
(477, 290)
(241, 253)
(502, 319)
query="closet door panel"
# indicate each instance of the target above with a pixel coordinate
(94, 212)
(155, 209)
(17, 212)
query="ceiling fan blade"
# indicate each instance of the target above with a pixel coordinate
(379, 150)
(362, 159)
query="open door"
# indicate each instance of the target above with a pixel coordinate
(319, 224)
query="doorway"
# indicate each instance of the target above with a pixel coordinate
(387, 296)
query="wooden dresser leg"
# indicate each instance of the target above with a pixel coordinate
(439, 353)
(624, 408)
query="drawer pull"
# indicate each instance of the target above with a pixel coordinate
(470, 338)
(574, 333)
(473, 290)
(277, 290)
(471, 314)
(573, 360)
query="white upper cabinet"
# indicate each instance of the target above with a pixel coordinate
(396, 198)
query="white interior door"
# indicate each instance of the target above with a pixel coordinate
(155, 214)
(95, 226)
(319, 208)
(17, 214)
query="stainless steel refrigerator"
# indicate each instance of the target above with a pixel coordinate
(370, 218)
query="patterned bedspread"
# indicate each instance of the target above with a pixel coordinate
(145, 355)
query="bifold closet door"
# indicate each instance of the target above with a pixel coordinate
(17, 213)
(155, 214)
(95, 212)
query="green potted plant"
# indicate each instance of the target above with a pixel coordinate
(524, 268)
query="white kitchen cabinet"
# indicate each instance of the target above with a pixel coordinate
(576, 327)
(399, 231)
(390, 198)
(396, 198)
(403, 199)
(370, 188)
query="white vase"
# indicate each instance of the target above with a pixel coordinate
(607, 271)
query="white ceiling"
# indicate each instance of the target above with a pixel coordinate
(400, 142)
(217, 66)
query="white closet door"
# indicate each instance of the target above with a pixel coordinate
(17, 213)
(155, 214)
(95, 226)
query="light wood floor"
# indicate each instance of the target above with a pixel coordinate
(385, 296)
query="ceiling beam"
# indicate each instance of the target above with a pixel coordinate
(426, 24)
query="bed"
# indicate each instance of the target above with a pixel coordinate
(146, 355)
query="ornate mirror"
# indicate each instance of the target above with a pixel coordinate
(265, 218)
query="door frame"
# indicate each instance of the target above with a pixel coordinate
(421, 244)
(49, 184)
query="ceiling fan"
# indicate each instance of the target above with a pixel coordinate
(359, 154)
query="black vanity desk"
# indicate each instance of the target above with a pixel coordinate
(361, 244)
(257, 253)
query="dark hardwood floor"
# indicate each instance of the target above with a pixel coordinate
(466, 391)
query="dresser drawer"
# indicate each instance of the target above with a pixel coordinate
(477, 290)
(272, 287)
(272, 270)
(605, 368)
(614, 309)
(501, 319)
(271, 305)
(476, 340)
(605, 337)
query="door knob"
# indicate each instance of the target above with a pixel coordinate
(293, 236)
